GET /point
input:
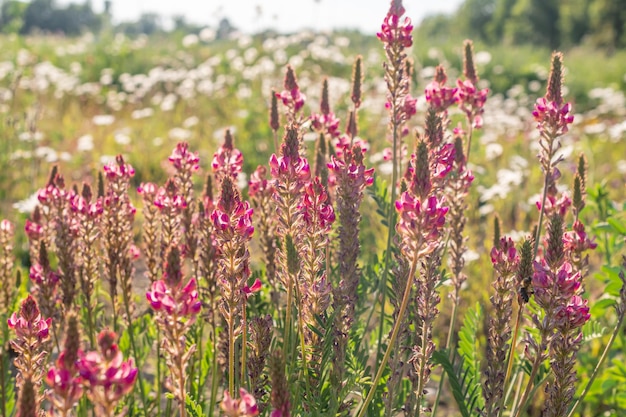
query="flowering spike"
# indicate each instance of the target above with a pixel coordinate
(357, 81)
(291, 144)
(27, 404)
(274, 119)
(324, 104)
(72, 341)
(496, 232)
(420, 183)
(555, 80)
(555, 249)
(525, 270)
(582, 171)
(434, 128)
(53, 175)
(100, 185)
(469, 69)
(173, 274)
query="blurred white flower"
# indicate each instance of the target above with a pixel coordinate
(207, 35)
(122, 138)
(178, 133)
(27, 205)
(482, 58)
(190, 40)
(85, 143)
(46, 153)
(493, 150)
(142, 113)
(103, 119)
(190, 122)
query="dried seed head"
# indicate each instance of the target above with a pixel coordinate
(555, 80)
(357, 82)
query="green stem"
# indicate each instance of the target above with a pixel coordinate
(448, 346)
(305, 364)
(394, 334)
(390, 233)
(214, 375)
(511, 357)
(518, 410)
(231, 356)
(244, 330)
(596, 370)
(3, 394)
(158, 373)
(131, 336)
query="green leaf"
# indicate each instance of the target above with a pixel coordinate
(194, 409)
(441, 357)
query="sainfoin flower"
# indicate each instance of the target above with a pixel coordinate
(244, 406)
(395, 29)
(108, 378)
(173, 301)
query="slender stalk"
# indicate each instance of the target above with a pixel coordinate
(287, 330)
(3, 394)
(231, 356)
(394, 334)
(181, 385)
(390, 233)
(541, 212)
(511, 357)
(517, 410)
(244, 331)
(158, 373)
(469, 138)
(214, 375)
(131, 336)
(448, 345)
(305, 364)
(596, 370)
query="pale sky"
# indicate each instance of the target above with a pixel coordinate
(282, 15)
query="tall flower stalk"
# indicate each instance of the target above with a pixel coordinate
(396, 37)
(232, 219)
(422, 217)
(176, 305)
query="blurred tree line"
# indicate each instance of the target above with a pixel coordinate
(46, 16)
(549, 23)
